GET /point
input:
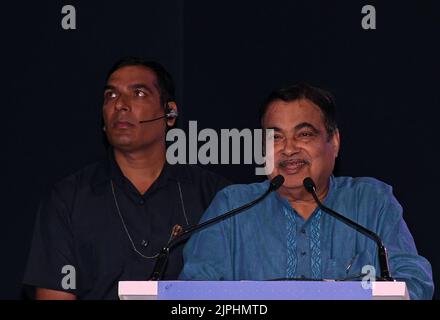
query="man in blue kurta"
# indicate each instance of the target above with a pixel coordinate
(287, 235)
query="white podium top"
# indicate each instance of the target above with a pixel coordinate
(261, 290)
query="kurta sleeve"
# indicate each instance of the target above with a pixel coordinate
(207, 255)
(405, 262)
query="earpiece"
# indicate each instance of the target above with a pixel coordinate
(171, 113)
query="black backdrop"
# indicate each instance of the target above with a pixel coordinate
(225, 57)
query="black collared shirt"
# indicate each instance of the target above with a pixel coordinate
(79, 225)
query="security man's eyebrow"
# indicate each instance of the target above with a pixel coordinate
(141, 86)
(132, 86)
(108, 87)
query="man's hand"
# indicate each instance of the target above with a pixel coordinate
(48, 294)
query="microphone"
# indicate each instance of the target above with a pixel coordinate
(381, 250)
(171, 113)
(151, 120)
(179, 232)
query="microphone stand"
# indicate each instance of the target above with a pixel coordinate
(381, 250)
(179, 232)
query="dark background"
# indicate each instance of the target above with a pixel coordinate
(225, 56)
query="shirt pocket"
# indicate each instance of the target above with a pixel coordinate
(346, 267)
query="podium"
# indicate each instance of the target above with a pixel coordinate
(262, 290)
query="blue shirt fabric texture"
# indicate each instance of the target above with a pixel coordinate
(272, 241)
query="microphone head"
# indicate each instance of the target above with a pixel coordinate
(309, 185)
(276, 182)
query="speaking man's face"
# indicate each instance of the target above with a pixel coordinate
(132, 95)
(302, 146)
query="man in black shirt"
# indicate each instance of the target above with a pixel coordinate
(107, 222)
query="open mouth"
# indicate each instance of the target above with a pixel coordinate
(293, 165)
